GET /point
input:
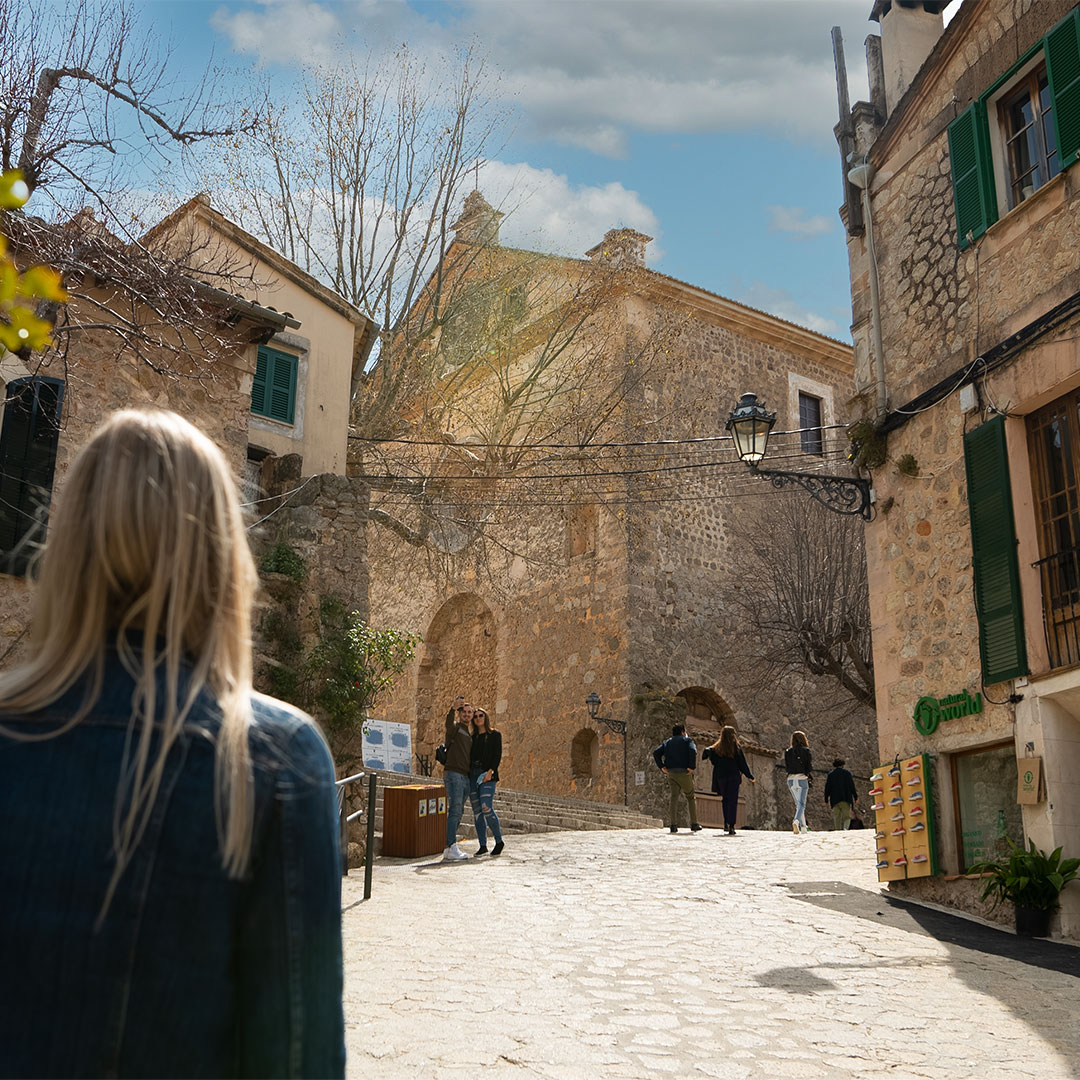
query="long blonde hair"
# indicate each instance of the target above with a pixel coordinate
(727, 743)
(148, 537)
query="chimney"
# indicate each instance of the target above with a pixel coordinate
(620, 248)
(909, 31)
(479, 222)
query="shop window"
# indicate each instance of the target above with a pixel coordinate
(584, 755)
(987, 814)
(29, 436)
(1019, 134)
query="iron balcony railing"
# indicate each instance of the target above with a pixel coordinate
(1061, 605)
(345, 818)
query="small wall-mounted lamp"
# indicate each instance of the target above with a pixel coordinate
(592, 703)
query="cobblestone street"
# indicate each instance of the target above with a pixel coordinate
(638, 954)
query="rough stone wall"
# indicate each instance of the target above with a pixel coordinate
(215, 396)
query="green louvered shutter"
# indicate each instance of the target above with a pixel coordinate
(1063, 71)
(972, 173)
(282, 385)
(993, 546)
(258, 387)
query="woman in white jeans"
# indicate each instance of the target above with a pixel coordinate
(798, 764)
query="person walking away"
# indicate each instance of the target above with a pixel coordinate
(840, 794)
(677, 758)
(798, 763)
(729, 767)
(171, 901)
(456, 772)
(483, 776)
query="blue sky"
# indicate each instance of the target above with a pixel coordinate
(705, 123)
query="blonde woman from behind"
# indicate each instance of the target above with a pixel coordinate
(171, 899)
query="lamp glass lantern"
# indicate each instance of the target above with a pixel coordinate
(592, 703)
(750, 423)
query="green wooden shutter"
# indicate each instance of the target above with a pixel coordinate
(1063, 71)
(258, 386)
(972, 173)
(993, 543)
(282, 384)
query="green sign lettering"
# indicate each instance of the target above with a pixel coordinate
(930, 711)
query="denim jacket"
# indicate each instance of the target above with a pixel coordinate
(190, 974)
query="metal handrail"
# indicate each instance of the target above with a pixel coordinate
(346, 818)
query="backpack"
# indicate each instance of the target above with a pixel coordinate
(440, 753)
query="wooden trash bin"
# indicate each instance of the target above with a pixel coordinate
(414, 820)
(710, 810)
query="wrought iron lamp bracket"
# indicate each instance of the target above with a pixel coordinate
(841, 494)
(618, 726)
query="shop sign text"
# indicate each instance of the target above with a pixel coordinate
(930, 711)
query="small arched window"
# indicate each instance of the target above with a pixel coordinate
(584, 755)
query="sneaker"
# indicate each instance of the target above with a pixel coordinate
(878, 806)
(896, 786)
(895, 770)
(805, 828)
(919, 858)
(919, 826)
(915, 795)
(880, 835)
(898, 816)
(695, 827)
(795, 827)
(453, 854)
(497, 849)
(876, 776)
(880, 850)
(897, 801)
(915, 811)
(902, 861)
(674, 828)
(883, 865)
(915, 781)
(899, 830)
(876, 791)
(481, 851)
(913, 765)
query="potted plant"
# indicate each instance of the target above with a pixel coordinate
(1031, 880)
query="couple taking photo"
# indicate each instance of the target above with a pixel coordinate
(473, 753)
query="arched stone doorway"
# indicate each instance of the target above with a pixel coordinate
(458, 657)
(585, 755)
(706, 710)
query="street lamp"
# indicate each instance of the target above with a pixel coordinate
(592, 703)
(750, 423)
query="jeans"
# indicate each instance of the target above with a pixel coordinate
(681, 784)
(841, 815)
(729, 796)
(482, 797)
(799, 789)
(457, 787)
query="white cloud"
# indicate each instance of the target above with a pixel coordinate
(545, 212)
(793, 220)
(592, 73)
(781, 303)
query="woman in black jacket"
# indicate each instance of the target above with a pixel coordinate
(729, 767)
(798, 764)
(483, 775)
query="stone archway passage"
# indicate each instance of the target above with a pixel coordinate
(706, 710)
(458, 657)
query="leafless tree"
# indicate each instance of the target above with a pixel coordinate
(91, 109)
(799, 578)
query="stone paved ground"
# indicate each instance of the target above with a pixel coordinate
(641, 954)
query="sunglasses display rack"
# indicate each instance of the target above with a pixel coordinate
(903, 808)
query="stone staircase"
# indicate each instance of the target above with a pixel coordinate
(522, 811)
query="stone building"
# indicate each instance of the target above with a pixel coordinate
(965, 278)
(624, 591)
(267, 371)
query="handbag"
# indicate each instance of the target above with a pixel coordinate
(440, 753)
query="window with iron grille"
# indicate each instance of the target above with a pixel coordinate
(810, 424)
(1054, 441)
(29, 436)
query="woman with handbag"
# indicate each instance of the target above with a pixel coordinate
(483, 775)
(729, 767)
(798, 763)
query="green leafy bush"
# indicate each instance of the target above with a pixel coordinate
(1027, 878)
(282, 559)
